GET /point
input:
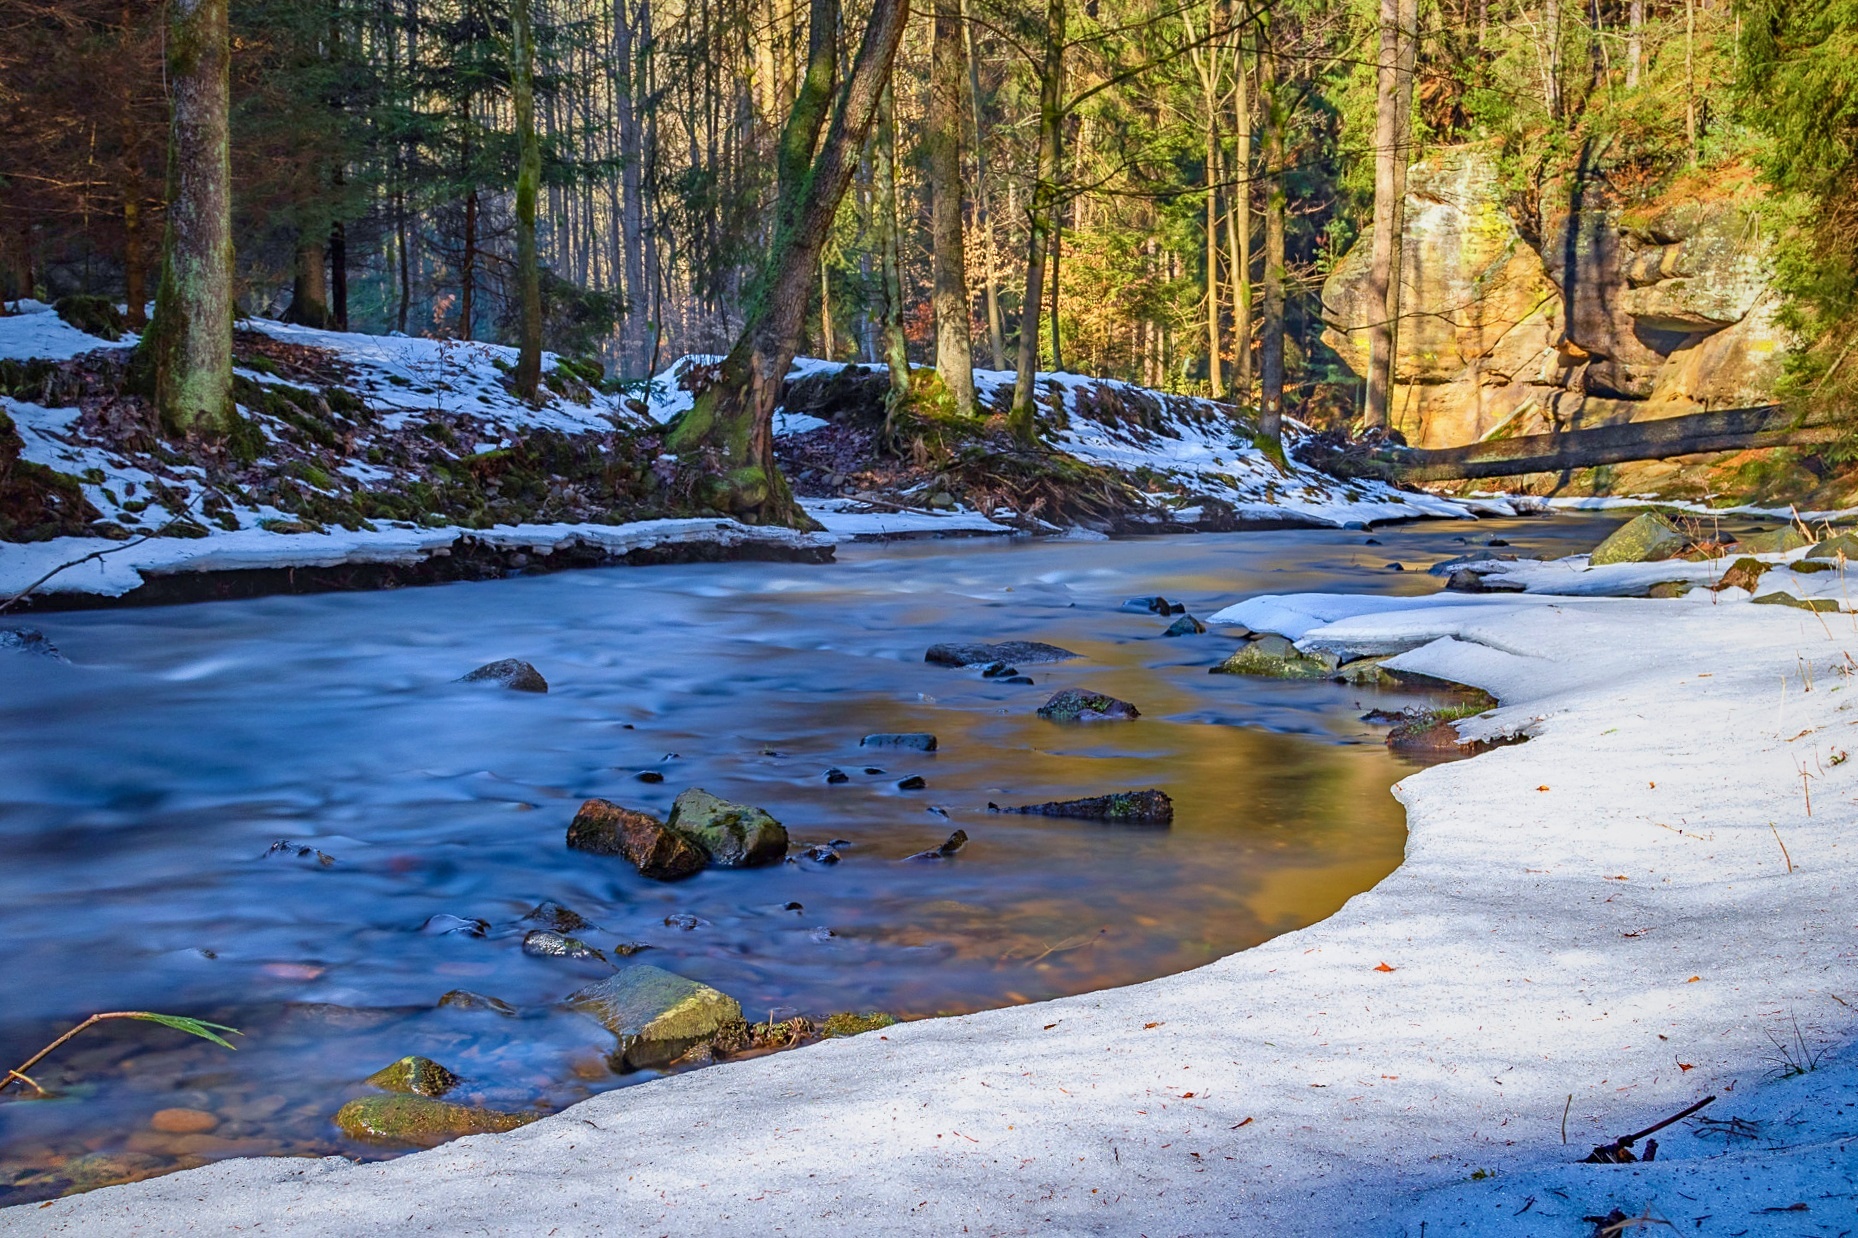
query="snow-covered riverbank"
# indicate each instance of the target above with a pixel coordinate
(1604, 913)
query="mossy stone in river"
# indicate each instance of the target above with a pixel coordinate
(845, 1023)
(657, 1015)
(1649, 538)
(1274, 657)
(1149, 807)
(1773, 541)
(604, 828)
(1079, 705)
(513, 673)
(413, 1076)
(734, 835)
(419, 1120)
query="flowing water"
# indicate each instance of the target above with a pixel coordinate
(143, 785)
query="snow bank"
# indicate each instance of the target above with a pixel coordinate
(1597, 927)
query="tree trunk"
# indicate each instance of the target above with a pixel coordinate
(633, 335)
(1386, 201)
(467, 269)
(1239, 234)
(1635, 42)
(338, 275)
(1551, 35)
(1208, 63)
(135, 271)
(187, 350)
(1057, 253)
(727, 437)
(1040, 221)
(1271, 348)
(954, 347)
(983, 216)
(527, 380)
(896, 347)
(309, 291)
(1403, 159)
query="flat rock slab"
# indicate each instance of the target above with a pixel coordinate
(1009, 652)
(656, 1014)
(918, 741)
(1149, 807)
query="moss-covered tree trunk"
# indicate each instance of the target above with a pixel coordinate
(1041, 218)
(527, 380)
(726, 440)
(186, 354)
(954, 344)
(896, 347)
(1271, 345)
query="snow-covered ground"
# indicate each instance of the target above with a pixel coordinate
(1634, 910)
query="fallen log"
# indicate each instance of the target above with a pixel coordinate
(1734, 429)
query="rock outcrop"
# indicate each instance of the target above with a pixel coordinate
(1612, 314)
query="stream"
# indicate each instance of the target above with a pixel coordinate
(143, 785)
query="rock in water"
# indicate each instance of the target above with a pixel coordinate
(1469, 580)
(512, 673)
(915, 782)
(1186, 625)
(1773, 541)
(604, 828)
(657, 1015)
(414, 1076)
(552, 915)
(1007, 651)
(546, 945)
(465, 999)
(735, 835)
(1155, 606)
(1078, 705)
(30, 640)
(1149, 807)
(420, 1120)
(919, 741)
(1649, 538)
(1742, 574)
(946, 851)
(1276, 658)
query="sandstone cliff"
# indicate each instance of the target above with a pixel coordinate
(1611, 314)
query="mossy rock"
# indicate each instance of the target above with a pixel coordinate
(1845, 546)
(1362, 672)
(1825, 605)
(1773, 541)
(602, 827)
(1081, 705)
(1648, 538)
(1744, 573)
(1150, 807)
(734, 835)
(845, 1023)
(657, 1015)
(1274, 657)
(96, 316)
(413, 1076)
(420, 1121)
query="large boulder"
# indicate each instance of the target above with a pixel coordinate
(1648, 538)
(420, 1121)
(657, 1015)
(734, 835)
(604, 828)
(1274, 657)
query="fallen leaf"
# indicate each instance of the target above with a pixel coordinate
(1049, 1026)
(1146, 1026)
(1383, 967)
(1686, 1065)
(1246, 1122)
(1541, 788)
(1187, 1095)
(1693, 980)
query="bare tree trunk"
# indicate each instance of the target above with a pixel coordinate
(527, 379)
(186, 354)
(309, 290)
(727, 437)
(1239, 233)
(135, 270)
(1551, 85)
(633, 342)
(467, 269)
(1271, 350)
(983, 216)
(1635, 42)
(1690, 78)
(1040, 220)
(1206, 61)
(954, 347)
(338, 276)
(896, 347)
(1403, 157)
(1057, 253)
(1386, 237)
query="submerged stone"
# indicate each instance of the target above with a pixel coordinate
(657, 1015)
(465, 999)
(552, 915)
(1006, 651)
(602, 827)
(541, 943)
(512, 673)
(1274, 657)
(420, 1120)
(1649, 538)
(734, 835)
(1186, 625)
(946, 851)
(413, 1076)
(917, 741)
(1149, 807)
(1079, 705)
(845, 1023)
